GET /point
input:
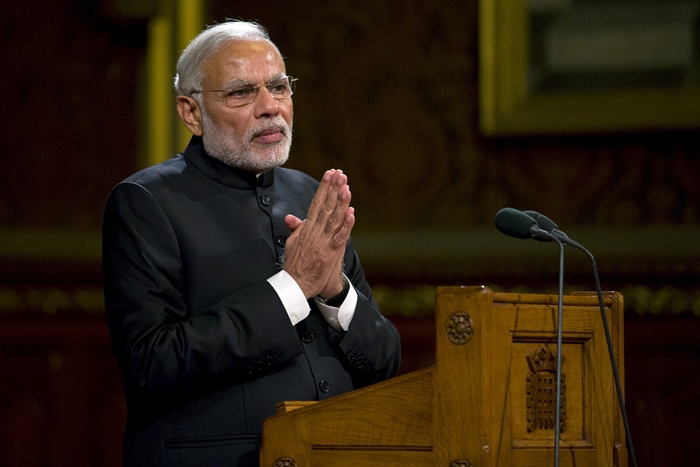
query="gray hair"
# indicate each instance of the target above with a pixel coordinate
(207, 43)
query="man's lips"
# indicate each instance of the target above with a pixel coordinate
(270, 135)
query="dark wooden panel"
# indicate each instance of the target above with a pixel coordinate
(61, 398)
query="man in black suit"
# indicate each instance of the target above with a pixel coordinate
(231, 284)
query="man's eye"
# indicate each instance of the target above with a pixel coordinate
(239, 93)
(277, 88)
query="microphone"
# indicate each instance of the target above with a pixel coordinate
(546, 224)
(518, 224)
(521, 225)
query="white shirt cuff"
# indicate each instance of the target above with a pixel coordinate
(291, 296)
(339, 318)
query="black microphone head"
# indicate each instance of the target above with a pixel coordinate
(543, 221)
(514, 223)
(548, 225)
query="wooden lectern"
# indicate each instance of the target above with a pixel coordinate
(488, 401)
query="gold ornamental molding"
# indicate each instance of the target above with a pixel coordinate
(169, 31)
(51, 300)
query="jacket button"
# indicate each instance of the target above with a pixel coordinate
(265, 200)
(307, 337)
(324, 386)
(281, 240)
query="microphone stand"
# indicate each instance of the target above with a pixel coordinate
(555, 234)
(559, 349)
(616, 374)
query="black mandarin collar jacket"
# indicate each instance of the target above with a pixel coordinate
(205, 347)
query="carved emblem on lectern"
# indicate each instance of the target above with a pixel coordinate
(542, 391)
(460, 328)
(285, 462)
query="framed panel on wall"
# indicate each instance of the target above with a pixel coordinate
(586, 66)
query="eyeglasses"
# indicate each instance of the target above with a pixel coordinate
(237, 96)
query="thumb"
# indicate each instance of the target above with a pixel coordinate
(292, 222)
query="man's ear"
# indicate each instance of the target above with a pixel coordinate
(190, 114)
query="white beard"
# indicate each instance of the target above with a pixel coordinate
(239, 151)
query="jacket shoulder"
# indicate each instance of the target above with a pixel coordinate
(159, 172)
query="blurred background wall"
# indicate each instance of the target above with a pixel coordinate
(393, 93)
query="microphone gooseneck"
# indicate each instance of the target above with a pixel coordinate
(546, 224)
(520, 225)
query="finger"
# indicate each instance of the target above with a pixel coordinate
(341, 237)
(336, 217)
(319, 198)
(338, 184)
(292, 222)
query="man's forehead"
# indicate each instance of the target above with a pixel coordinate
(242, 58)
(259, 50)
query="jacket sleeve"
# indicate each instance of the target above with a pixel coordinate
(371, 344)
(162, 346)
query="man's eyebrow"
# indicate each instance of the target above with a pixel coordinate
(241, 83)
(238, 83)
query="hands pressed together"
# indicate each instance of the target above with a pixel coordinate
(314, 251)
